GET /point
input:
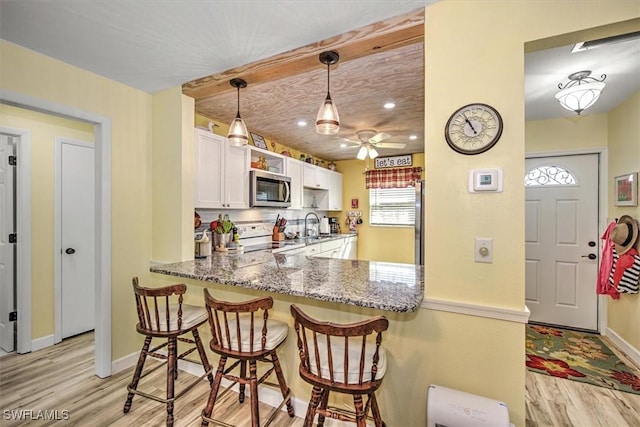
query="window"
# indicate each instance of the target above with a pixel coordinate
(392, 206)
(551, 175)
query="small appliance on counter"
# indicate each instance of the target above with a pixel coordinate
(334, 224)
(324, 225)
(203, 245)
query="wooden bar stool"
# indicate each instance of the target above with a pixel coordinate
(159, 316)
(340, 358)
(239, 332)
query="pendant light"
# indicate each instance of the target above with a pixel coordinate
(238, 134)
(580, 92)
(327, 120)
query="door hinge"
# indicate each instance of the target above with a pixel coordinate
(12, 160)
(13, 238)
(13, 316)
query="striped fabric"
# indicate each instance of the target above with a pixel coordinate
(630, 278)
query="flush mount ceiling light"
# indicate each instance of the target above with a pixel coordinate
(327, 120)
(238, 134)
(580, 92)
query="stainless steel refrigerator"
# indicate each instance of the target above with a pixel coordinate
(419, 223)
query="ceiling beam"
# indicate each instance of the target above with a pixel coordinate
(389, 34)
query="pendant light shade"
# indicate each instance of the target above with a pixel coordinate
(581, 92)
(327, 120)
(238, 134)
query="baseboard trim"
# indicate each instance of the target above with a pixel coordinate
(42, 342)
(631, 352)
(124, 363)
(499, 313)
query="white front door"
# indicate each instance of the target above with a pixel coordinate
(7, 249)
(77, 237)
(562, 240)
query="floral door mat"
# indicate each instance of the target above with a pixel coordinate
(578, 356)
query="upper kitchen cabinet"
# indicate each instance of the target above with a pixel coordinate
(295, 170)
(221, 173)
(316, 177)
(335, 191)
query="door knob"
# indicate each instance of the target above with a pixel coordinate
(70, 251)
(590, 256)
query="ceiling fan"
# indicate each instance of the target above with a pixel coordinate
(369, 140)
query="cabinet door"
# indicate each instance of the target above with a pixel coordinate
(335, 191)
(310, 179)
(323, 178)
(236, 177)
(209, 156)
(295, 170)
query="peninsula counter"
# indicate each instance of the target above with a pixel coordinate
(381, 285)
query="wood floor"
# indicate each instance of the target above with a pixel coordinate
(61, 378)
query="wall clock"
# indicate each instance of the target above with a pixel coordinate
(473, 129)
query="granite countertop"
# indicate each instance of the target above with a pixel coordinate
(382, 285)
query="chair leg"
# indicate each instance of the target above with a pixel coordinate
(253, 389)
(171, 376)
(243, 374)
(316, 394)
(377, 418)
(324, 401)
(213, 394)
(203, 355)
(136, 375)
(284, 389)
(361, 417)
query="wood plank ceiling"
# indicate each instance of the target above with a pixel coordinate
(379, 63)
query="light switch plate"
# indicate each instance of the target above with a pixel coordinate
(483, 250)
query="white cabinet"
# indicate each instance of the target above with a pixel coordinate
(316, 177)
(221, 172)
(344, 248)
(295, 170)
(335, 191)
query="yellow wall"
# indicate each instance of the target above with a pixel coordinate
(375, 243)
(30, 73)
(44, 130)
(624, 157)
(566, 133)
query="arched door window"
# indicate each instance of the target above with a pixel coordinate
(548, 176)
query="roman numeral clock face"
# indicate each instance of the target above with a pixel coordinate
(473, 129)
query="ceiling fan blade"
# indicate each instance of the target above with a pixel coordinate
(390, 145)
(381, 136)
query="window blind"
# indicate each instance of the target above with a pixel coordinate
(392, 206)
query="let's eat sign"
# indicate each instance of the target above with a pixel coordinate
(393, 162)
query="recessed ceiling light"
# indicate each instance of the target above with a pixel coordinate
(302, 123)
(389, 105)
(343, 145)
(412, 137)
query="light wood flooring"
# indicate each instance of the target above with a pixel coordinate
(61, 378)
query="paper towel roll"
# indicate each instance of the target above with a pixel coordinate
(324, 225)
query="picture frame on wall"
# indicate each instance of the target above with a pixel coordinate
(626, 189)
(259, 141)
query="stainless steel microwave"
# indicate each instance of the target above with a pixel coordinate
(269, 190)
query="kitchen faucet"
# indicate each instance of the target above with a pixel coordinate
(305, 222)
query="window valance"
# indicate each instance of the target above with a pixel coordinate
(392, 178)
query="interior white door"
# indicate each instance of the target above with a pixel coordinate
(77, 228)
(562, 240)
(7, 249)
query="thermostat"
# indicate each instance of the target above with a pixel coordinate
(485, 180)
